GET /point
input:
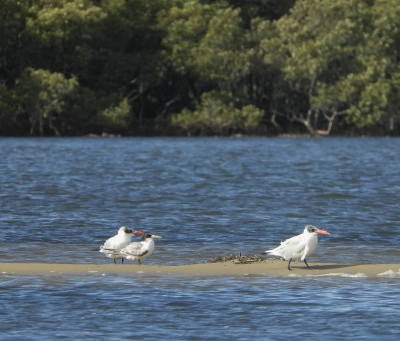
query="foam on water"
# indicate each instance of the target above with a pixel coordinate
(333, 274)
(357, 275)
(389, 273)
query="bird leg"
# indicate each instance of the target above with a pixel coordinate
(115, 261)
(307, 264)
(139, 262)
(288, 266)
(122, 261)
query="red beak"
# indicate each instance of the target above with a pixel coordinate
(138, 233)
(322, 232)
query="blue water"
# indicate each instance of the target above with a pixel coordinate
(208, 197)
(121, 307)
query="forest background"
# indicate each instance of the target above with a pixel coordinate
(199, 67)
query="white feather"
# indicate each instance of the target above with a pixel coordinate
(297, 247)
(112, 245)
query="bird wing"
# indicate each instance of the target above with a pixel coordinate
(135, 249)
(290, 248)
(109, 251)
(110, 243)
(294, 242)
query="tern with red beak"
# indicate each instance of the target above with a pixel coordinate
(300, 246)
(139, 250)
(118, 242)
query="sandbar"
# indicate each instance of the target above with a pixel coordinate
(267, 267)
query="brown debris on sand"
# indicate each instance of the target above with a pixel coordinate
(238, 259)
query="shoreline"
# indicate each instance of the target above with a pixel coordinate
(265, 268)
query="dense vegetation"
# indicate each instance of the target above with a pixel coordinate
(199, 67)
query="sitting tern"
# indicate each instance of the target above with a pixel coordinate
(300, 246)
(118, 242)
(139, 250)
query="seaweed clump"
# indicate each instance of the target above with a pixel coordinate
(237, 259)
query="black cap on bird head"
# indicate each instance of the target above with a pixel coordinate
(148, 235)
(128, 230)
(311, 228)
(316, 230)
(124, 229)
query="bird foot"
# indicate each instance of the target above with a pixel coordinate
(307, 264)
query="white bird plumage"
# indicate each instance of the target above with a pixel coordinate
(118, 242)
(139, 250)
(300, 246)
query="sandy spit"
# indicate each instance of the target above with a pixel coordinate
(268, 268)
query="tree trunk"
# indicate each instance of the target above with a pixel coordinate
(276, 125)
(51, 126)
(331, 120)
(306, 122)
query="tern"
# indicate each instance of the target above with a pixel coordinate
(139, 250)
(118, 242)
(300, 246)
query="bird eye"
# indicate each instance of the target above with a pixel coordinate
(312, 229)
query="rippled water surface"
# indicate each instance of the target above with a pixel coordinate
(121, 307)
(60, 198)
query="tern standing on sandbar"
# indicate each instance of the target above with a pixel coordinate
(300, 246)
(118, 242)
(139, 250)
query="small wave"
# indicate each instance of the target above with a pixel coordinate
(389, 273)
(341, 274)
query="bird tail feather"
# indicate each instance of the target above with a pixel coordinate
(110, 251)
(272, 253)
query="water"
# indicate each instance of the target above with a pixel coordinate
(121, 307)
(207, 197)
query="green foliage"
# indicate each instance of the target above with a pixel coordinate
(114, 119)
(17, 45)
(214, 116)
(65, 32)
(12, 119)
(207, 40)
(321, 40)
(223, 53)
(43, 94)
(266, 9)
(219, 65)
(185, 25)
(377, 83)
(80, 110)
(342, 56)
(65, 20)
